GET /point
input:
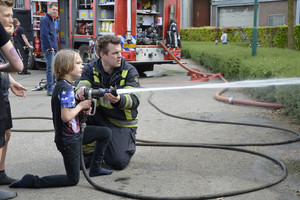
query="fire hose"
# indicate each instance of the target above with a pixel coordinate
(96, 93)
(100, 92)
(218, 96)
(93, 94)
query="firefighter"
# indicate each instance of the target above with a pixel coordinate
(21, 44)
(119, 113)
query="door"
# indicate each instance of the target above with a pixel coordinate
(236, 16)
(64, 25)
(201, 13)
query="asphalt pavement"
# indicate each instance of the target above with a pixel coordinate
(161, 171)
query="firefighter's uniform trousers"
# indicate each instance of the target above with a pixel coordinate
(120, 117)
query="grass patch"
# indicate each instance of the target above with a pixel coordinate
(236, 62)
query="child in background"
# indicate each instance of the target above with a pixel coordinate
(67, 66)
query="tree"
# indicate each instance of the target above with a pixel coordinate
(291, 40)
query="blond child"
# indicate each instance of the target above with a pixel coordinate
(67, 66)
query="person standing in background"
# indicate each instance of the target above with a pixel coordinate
(21, 44)
(49, 42)
(224, 37)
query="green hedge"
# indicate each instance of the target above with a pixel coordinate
(266, 36)
(237, 63)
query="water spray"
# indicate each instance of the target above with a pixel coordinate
(237, 84)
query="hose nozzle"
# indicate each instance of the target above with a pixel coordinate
(90, 93)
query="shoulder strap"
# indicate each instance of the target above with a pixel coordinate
(15, 32)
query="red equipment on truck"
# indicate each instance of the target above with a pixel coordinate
(140, 24)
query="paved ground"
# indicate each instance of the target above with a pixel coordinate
(165, 171)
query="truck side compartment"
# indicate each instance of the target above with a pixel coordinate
(140, 24)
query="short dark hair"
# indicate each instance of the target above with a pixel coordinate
(103, 41)
(53, 4)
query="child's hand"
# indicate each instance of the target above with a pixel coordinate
(18, 89)
(85, 105)
(87, 111)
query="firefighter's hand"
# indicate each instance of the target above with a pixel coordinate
(51, 50)
(80, 94)
(111, 98)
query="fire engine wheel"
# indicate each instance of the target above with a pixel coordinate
(143, 68)
(31, 62)
(84, 52)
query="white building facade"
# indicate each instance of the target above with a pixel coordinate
(240, 13)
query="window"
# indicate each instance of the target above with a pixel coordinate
(20, 4)
(275, 20)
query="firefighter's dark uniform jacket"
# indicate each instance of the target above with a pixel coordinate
(120, 117)
(124, 113)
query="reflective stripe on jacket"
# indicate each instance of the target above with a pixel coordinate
(124, 113)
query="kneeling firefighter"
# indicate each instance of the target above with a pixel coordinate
(119, 113)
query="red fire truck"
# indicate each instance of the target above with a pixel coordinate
(140, 24)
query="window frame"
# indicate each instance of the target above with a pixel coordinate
(276, 15)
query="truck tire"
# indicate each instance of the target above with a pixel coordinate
(40, 65)
(31, 62)
(143, 68)
(84, 52)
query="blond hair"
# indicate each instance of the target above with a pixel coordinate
(7, 3)
(64, 63)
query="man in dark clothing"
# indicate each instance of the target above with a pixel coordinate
(21, 44)
(119, 113)
(49, 43)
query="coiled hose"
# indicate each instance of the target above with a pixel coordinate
(209, 196)
(210, 146)
(191, 145)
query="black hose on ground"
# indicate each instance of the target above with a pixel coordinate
(211, 146)
(209, 196)
(192, 145)
(231, 123)
(32, 130)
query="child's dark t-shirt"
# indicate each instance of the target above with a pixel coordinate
(63, 97)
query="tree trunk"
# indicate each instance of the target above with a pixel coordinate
(291, 40)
